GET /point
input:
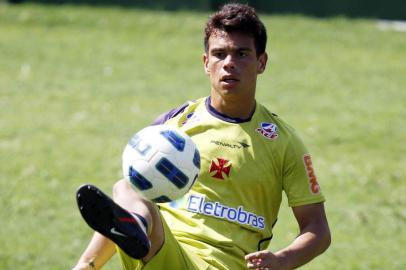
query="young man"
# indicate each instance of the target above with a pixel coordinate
(249, 157)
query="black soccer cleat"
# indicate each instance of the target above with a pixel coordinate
(103, 215)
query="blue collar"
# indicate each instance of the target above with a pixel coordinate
(224, 117)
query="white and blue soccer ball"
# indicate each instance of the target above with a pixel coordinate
(162, 162)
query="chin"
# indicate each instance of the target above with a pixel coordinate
(230, 88)
(229, 91)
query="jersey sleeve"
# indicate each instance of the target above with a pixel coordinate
(170, 114)
(299, 179)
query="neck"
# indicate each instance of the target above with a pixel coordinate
(235, 108)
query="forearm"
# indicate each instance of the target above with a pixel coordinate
(98, 252)
(304, 248)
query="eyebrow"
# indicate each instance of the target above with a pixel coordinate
(216, 49)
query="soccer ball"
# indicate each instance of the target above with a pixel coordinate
(162, 162)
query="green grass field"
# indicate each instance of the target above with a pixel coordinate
(76, 82)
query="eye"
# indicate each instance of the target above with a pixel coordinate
(219, 54)
(242, 53)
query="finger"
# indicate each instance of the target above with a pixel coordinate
(253, 260)
(256, 264)
(252, 266)
(258, 254)
(251, 256)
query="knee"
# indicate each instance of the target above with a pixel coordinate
(123, 190)
(120, 187)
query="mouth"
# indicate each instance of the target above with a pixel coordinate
(229, 79)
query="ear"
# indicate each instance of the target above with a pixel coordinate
(262, 60)
(206, 63)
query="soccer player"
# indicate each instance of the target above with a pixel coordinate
(249, 158)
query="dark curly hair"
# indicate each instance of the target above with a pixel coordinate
(236, 17)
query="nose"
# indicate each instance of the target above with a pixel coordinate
(229, 62)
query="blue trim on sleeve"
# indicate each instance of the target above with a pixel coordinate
(170, 114)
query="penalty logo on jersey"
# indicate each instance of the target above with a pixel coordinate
(268, 130)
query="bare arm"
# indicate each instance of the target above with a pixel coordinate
(314, 238)
(97, 253)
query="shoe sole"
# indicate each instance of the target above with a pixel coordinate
(103, 215)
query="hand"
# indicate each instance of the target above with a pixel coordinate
(83, 266)
(263, 260)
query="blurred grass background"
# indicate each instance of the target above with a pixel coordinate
(76, 82)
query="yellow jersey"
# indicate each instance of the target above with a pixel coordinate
(246, 165)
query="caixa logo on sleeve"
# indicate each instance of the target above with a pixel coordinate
(313, 184)
(268, 130)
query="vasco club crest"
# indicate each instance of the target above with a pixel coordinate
(220, 168)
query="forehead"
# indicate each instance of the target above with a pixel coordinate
(231, 40)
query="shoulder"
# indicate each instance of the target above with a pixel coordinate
(164, 117)
(287, 143)
(281, 127)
